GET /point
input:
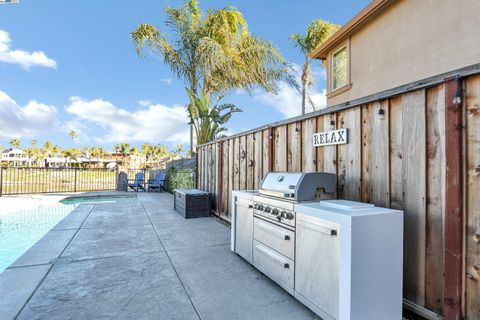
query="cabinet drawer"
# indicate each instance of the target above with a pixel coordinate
(274, 265)
(277, 238)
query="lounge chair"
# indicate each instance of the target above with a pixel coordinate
(138, 182)
(158, 183)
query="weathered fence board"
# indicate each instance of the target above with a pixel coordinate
(349, 156)
(414, 185)
(225, 176)
(435, 189)
(280, 148)
(396, 153)
(258, 174)
(395, 158)
(243, 163)
(472, 280)
(266, 141)
(309, 155)
(330, 152)
(250, 162)
(294, 146)
(320, 151)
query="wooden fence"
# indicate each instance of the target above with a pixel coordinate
(396, 157)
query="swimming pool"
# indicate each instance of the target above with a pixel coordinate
(99, 199)
(21, 229)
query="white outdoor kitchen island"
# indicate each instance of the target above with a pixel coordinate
(342, 259)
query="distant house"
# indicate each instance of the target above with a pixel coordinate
(391, 44)
(14, 157)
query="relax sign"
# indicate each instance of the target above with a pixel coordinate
(329, 138)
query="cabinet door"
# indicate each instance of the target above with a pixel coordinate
(244, 229)
(317, 263)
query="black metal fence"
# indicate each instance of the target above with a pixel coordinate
(47, 180)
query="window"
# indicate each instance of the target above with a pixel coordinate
(339, 68)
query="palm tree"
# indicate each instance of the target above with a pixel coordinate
(71, 153)
(317, 32)
(207, 120)
(34, 143)
(122, 148)
(147, 151)
(47, 147)
(14, 143)
(72, 134)
(214, 52)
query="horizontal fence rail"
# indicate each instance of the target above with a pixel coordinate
(49, 180)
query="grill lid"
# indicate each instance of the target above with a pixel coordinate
(297, 186)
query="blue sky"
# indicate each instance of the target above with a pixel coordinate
(71, 65)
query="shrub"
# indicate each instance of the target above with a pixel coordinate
(180, 179)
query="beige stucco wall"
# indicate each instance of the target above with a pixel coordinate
(410, 41)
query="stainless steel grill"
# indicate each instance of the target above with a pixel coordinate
(281, 190)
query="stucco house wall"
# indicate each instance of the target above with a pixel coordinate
(409, 41)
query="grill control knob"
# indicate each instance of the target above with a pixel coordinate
(283, 214)
(289, 216)
(275, 212)
(260, 207)
(267, 209)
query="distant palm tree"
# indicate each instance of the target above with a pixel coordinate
(147, 151)
(72, 134)
(14, 143)
(317, 32)
(34, 143)
(71, 153)
(122, 148)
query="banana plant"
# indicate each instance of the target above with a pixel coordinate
(208, 118)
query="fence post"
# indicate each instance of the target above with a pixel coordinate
(1, 180)
(117, 172)
(75, 180)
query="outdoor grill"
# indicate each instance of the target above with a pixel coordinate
(281, 190)
(293, 232)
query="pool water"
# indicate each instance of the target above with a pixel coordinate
(19, 230)
(100, 199)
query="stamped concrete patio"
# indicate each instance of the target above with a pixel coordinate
(139, 260)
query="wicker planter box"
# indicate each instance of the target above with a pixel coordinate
(192, 203)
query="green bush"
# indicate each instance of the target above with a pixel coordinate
(180, 179)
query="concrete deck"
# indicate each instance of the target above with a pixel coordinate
(139, 260)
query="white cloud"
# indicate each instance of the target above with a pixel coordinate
(166, 80)
(144, 102)
(23, 58)
(28, 121)
(288, 100)
(156, 123)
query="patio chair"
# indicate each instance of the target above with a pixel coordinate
(138, 182)
(158, 183)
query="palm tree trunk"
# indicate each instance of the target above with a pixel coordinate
(304, 97)
(304, 81)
